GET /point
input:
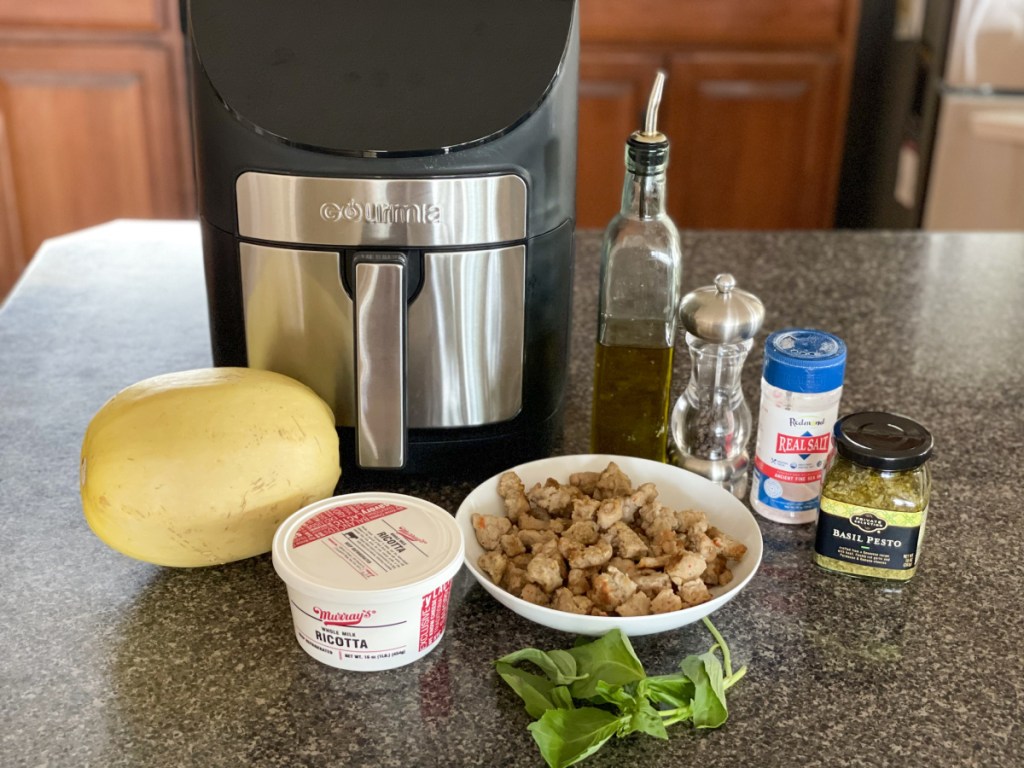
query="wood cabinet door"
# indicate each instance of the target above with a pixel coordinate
(753, 139)
(88, 133)
(105, 15)
(613, 91)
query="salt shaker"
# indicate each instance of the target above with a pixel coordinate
(711, 421)
(801, 387)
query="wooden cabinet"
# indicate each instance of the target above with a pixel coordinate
(93, 119)
(755, 106)
(754, 136)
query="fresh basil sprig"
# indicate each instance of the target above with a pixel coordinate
(599, 689)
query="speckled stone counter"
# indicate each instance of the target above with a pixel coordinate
(111, 662)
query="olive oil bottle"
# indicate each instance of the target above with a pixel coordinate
(641, 285)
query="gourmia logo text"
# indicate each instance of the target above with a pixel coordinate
(802, 444)
(381, 213)
(342, 618)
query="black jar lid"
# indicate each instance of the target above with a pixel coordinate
(883, 441)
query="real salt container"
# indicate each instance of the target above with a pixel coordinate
(801, 388)
(369, 577)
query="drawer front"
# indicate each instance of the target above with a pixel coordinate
(138, 15)
(714, 21)
(466, 331)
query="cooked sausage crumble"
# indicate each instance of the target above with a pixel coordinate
(599, 546)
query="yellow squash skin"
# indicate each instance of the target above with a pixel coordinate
(200, 467)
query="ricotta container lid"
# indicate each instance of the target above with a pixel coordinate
(386, 544)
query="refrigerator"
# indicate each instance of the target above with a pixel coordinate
(934, 133)
(977, 168)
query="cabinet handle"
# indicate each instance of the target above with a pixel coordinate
(752, 89)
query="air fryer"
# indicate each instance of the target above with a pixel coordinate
(386, 197)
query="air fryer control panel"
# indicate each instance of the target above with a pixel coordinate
(407, 213)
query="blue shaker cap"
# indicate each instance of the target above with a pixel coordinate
(804, 360)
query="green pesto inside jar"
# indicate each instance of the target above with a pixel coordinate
(875, 497)
(852, 483)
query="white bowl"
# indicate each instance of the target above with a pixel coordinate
(677, 488)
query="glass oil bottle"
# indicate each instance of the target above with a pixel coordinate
(641, 285)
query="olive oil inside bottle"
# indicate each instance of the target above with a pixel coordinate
(631, 401)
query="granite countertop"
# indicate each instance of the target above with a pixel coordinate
(112, 662)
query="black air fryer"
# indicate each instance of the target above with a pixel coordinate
(387, 196)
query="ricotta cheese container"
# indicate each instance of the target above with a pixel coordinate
(369, 576)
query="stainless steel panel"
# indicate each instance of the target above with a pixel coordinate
(466, 336)
(465, 339)
(380, 308)
(298, 321)
(409, 213)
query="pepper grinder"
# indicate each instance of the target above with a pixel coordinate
(711, 422)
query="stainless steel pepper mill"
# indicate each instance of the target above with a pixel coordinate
(711, 423)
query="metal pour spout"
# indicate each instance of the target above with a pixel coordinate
(653, 104)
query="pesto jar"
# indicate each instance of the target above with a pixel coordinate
(874, 499)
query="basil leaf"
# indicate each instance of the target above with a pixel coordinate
(607, 673)
(610, 658)
(715, 674)
(562, 698)
(709, 710)
(673, 690)
(538, 692)
(638, 713)
(605, 693)
(566, 736)
(566, 665)
(646, 719)
(559, 666)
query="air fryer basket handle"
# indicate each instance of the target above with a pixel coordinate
(380, 351)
